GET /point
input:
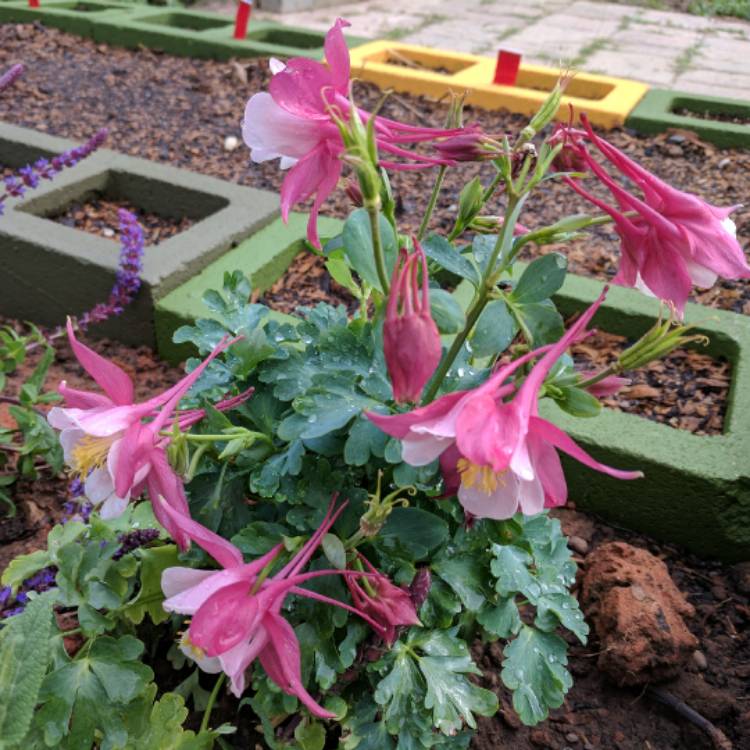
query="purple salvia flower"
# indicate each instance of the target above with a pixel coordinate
(4, 596)
(29, 176)
(133, 540)
(128, 278)
(11, 76)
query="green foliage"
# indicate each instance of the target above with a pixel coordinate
(24, 653)
(31, 441)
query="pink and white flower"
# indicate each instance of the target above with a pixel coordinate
(293, 122)
(500, 455)
(114, 444)
(236, 612)
(673, 240)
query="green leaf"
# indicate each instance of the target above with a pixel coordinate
(446, 312)
(365, 439)
(464, 574)
(418, 530)
(24, 653)
(259, 537)
(502, 619)
(470, 201)
(322, 410)
(555, 609)
(85, 696)
(311, 735)
(340, 273)
(333, 549)
(358, 246)
(534, 669)
(541, 279)
(511, 568)
(578, 402)
(164, 730)
(495, 330)
(540, 322)
(437, 248)
(452, 698)
(396, 691)
(154, 561)
(23, 567)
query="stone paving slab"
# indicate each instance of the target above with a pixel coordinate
(662, 48)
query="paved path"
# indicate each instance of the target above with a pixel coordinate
(676, 50)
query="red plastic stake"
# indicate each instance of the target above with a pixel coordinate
(240, 22)
(506, 71)
(33, 3)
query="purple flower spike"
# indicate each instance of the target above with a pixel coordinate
(128, 279)
(11, 76)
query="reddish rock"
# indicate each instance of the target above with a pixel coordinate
(637, 613)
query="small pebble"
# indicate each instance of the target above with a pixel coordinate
(676, 138)
(578, 544)
(107, 232)
(571, 737)
(726, 161)
(699, 659)
(230, 143)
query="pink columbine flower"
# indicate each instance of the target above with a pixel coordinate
(109, 445)
(501, 455)
(293, 122)
(236, 612)
(675, 240)
(411, 341)
(388, 605)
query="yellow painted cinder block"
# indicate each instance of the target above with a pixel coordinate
(435, 72)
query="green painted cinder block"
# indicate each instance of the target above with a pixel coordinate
(264, 258)
(187, 33)
(52, 270)
(657, 113)
(74, 16)
(696, 490)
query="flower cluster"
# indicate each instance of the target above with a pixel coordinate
(671, 240)
(11, 605)
(10, 76)
(128, 278)
(29, 177)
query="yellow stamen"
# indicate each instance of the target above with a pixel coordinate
(196, 651)
(483, 477)
(90, 453)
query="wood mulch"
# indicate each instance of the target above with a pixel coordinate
(180, 111)
(98, 215)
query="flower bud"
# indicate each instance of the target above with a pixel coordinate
(388, 605)
(354, 193)
(411, 341)
(470, 146)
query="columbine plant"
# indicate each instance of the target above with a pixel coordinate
(348, 621)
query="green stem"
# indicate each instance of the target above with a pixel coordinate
(195, 460)
(490, 191)
(211, 700)
(478, 304)
(433, 200)
(377, 246)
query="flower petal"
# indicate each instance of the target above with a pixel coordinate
(500, 504)
(271, 132)
(281, 660)
(556, 437)
(225, 619)
(114, 381)
(337, 56)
